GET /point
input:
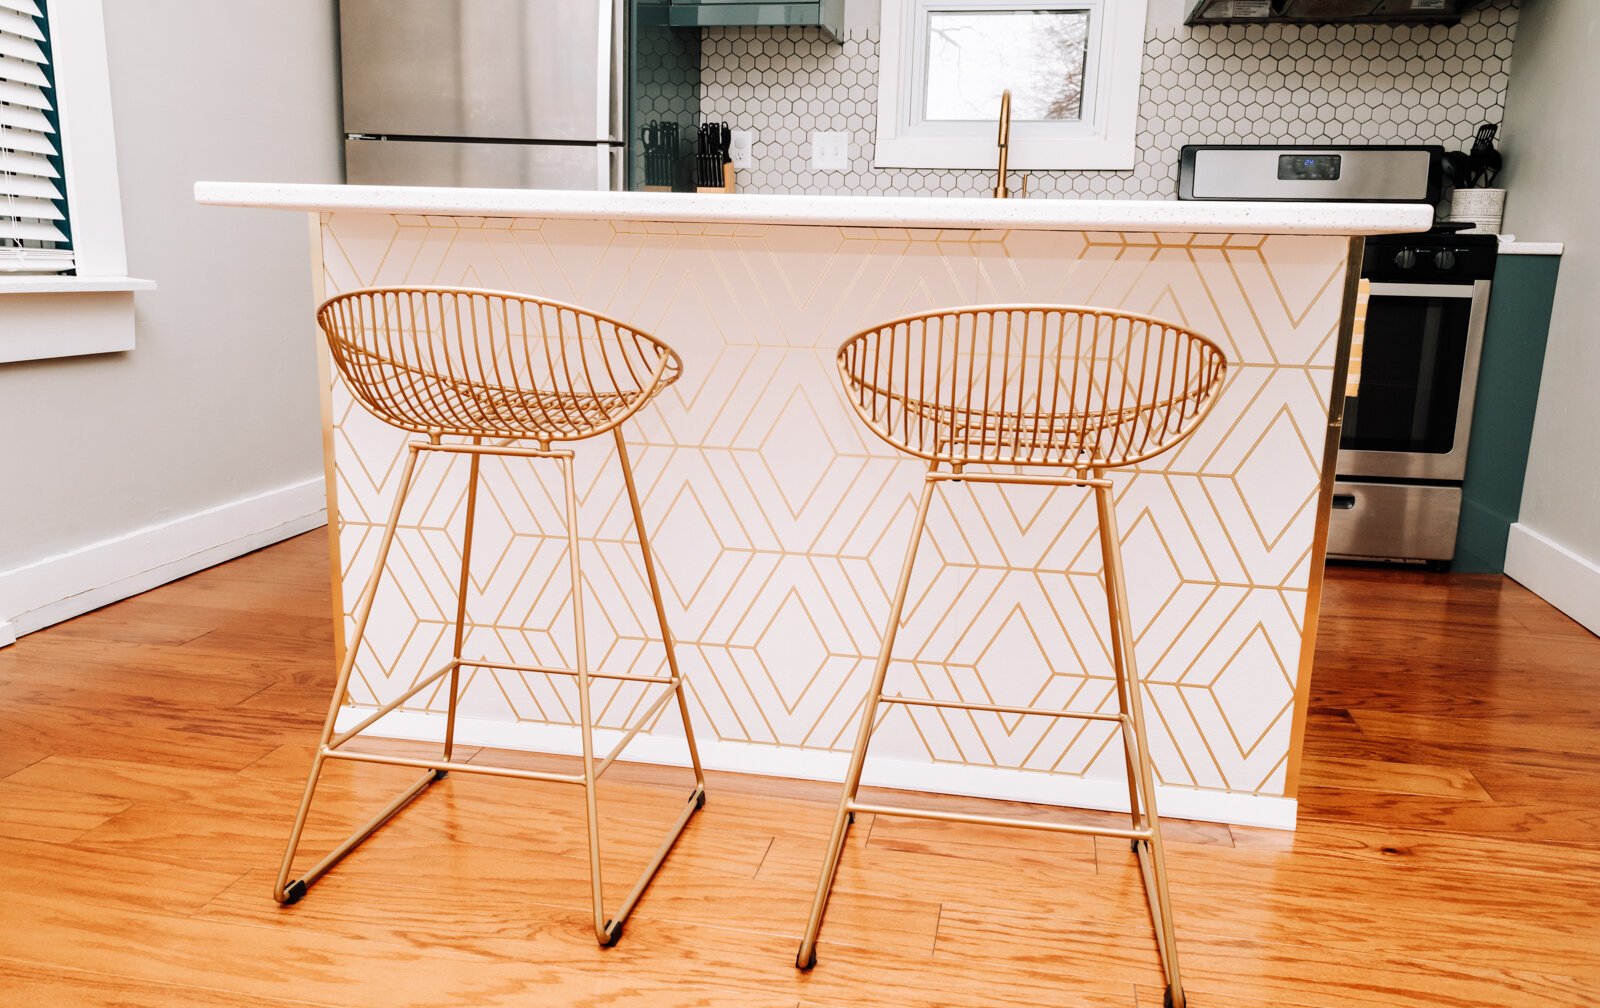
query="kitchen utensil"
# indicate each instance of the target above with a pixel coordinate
(1491, 166)
(1478, 157)
(657, 172)
(703, 155)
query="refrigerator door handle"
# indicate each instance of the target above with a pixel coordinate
(612, 111)
(617, 169)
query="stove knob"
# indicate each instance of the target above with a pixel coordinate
(1405, 258)
(1445, 259)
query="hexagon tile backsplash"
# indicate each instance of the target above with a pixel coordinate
(1220, 84)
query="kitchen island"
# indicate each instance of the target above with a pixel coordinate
(780, 522)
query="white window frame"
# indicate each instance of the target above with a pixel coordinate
(44, 315)
(1103, 139)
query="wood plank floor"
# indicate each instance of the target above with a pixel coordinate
(151, 754)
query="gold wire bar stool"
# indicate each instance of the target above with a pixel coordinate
(1074, 391)
(495, 371)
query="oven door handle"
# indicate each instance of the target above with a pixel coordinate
(1421, 290)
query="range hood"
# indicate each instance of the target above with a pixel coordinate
(824, 14)
(1207, 12)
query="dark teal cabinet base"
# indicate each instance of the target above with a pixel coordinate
(1502, 419)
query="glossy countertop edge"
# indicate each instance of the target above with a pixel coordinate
(846, 211)
(1531, 248)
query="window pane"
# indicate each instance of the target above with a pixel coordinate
(974, 55)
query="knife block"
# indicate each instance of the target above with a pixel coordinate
(727, 185)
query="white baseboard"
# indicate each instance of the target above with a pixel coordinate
(68, 584)
(809, 764)
(1561, 577)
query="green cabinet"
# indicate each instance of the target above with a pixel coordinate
(1502, 418)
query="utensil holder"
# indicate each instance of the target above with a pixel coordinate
(1484, 208)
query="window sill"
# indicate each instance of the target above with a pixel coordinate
(36, 283)
(65, 316)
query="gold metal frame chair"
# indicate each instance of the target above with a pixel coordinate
(491, 366)
(1083, 390)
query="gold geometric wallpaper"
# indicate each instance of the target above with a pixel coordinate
(780, 522)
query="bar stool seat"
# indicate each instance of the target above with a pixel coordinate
(1072, 393)
(503, 374)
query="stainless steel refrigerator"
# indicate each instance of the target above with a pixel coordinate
(526, 94)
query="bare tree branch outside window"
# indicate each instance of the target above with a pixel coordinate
(972, 56)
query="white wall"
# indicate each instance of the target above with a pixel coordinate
(217, 404)
(1550, 147)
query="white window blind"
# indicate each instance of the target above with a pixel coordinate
(33, 236)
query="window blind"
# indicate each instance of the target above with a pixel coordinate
(33, 222)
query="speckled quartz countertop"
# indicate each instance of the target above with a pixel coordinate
(857, 211)
(1530, 248)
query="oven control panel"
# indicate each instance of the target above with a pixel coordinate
(1424, 258)
(1351, 173)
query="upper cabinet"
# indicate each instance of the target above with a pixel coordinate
(827, 15)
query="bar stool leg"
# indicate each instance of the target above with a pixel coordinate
(1152, 859)
(283, 890)
(667, 640)
(1120, 648)
(843, 817)
(462, 586)
(606, 932)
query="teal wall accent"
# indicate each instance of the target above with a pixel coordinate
(1502, 419)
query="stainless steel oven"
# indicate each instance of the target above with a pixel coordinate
(1414, 363)
(1409, 397)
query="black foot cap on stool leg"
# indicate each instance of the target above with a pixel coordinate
(440, 774)
(852, 817)
(1166, 1001)
(294, 892)
(806, 964)
(613, 934)
(700, 800)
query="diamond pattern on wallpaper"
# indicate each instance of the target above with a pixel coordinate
(780, 523)
(1264, 84)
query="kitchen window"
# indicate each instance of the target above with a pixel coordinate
(33, 226)
(64, 290)
(1072, 67)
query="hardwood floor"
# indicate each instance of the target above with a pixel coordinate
(151, 754)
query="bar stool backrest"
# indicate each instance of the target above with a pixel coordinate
(1033, 385)
(492, 364)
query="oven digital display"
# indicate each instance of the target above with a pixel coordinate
(1308, 167)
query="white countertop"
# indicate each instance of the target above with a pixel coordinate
(1530, 248)
(850, 211)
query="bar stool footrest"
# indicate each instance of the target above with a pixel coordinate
(1132, 835)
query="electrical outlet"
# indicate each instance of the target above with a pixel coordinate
(740, 143)
(830, 151)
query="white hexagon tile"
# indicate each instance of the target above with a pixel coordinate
(1219, 84)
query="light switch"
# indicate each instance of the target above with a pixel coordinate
(739, 144)
(830, 151)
